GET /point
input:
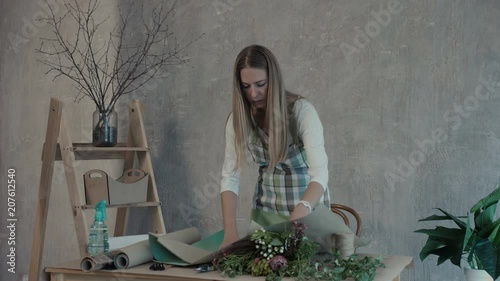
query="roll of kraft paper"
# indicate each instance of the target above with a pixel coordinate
(101, 261)
(133, 255)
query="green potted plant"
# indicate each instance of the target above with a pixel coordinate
(475, 238)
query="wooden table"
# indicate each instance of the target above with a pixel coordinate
(70, 271)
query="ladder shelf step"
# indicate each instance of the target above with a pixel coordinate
(131, 205)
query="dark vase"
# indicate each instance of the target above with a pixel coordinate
(104, 132)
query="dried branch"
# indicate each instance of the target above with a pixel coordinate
(105, 70)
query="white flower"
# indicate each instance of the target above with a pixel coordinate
(269, 250)
(257, 246)
(265, 255)
(276, 249)
(281, 251)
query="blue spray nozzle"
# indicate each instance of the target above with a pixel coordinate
(100, 211)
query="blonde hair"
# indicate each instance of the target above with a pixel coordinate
(277, 112)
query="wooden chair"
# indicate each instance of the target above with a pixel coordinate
(341, 210)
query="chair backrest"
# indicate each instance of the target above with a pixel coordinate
(341, 210)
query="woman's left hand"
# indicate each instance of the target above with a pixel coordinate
(300, 211)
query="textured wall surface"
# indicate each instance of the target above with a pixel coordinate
(405, 90)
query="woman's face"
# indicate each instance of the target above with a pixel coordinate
(254, 85)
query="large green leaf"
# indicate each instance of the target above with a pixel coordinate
(484, 217)
(486, 256)
(470, 259)
(439, 218)
(443, 247)
(468, 236)
(495, 237)
(453, 234)
(487, 201)
(449, 252)
(431, 245)
(459, 222)
(497, 273)
(488, 230)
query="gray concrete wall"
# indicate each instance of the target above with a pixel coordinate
(405, 128)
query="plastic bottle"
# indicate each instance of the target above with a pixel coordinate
(98, 236)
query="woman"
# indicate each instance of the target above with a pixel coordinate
(284, 136)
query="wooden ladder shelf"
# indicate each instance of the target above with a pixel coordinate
(58, 147)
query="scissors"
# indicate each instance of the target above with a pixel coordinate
(204, 268)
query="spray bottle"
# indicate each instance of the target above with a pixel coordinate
(98, 235)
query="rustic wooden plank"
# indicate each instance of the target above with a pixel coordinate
(131, 205)
(85, 151)
(48, 158)
(68, 157)
(139, 135)
(122, 214)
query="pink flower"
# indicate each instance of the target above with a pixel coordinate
(256, 260)
(277, 262)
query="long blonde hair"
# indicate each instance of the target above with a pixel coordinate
(277, 112)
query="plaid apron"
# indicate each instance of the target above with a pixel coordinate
(279, 189)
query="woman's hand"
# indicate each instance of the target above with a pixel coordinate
(228, 201)
(312, 194)
(229, 238)
(300, 211)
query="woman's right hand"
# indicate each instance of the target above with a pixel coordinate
(228, 202)
(229, 238)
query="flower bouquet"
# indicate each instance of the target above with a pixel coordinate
(289, 253)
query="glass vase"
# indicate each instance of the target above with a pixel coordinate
(104, 132)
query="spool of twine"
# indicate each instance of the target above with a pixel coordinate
(344, 242)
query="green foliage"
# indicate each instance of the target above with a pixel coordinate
(477, 241)
(259, 267)
(234, 264)
(298, 257)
